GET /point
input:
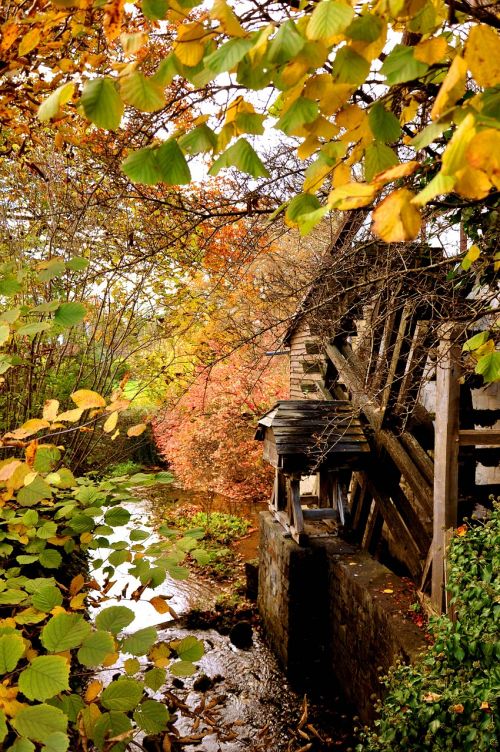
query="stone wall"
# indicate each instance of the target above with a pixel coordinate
(327, 616)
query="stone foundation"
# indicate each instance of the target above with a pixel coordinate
(327, 616)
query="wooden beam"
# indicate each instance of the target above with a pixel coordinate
(479, 437)
(445, 456)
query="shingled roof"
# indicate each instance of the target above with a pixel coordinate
(304, 435)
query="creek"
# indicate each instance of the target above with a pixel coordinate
(239, 700)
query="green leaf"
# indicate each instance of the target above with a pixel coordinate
(304, 203)
(302, 111)
(109, 726)
(50, 107)
(47, 598)
(182, 668)
(384, 125)
(114, 619)
(36, 491)
(117, 516)
(95, 648)
(10, 316)
(9, 286)
(242, 156)
(489, 367)
(102, 104)
(140, 642)
(349, 67)
(123, 694)
(50, 558)
(142, 92)
(476, 341)
(141, 167)
(77, 264)
(328, 19)
(139, 535)
(22, 745)
(38, 722)
(70, 314)
(400, 66)
(69, 704)
(56, 742)
(30, 330)
(152, 716)
(172, 166)
(12, 648)
(155, 678)
(12, 596)
(45, 677)
(4, 333)
(54, 269)
(155, 10)
(64, 632)
(5, 363)
(365, 29)
(228, 55)
(199, 140)
(3, 726)
(46, 458)
(190, 649)
(286, 45)
(378, 157)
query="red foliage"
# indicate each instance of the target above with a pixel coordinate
(207, 438)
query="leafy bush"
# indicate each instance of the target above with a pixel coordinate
(449, 699)
(127, 467)
(217, 527)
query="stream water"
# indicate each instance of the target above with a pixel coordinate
(244, 702)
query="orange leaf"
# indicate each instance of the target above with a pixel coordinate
(136, 430)
(160, 604)
(395, 219)
(76, 584)
(93, 690)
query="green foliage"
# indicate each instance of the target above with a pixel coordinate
(217, 527)
(449, 699)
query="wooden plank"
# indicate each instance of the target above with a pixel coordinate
(394, 366)
(479, 437)
(320, 514)
(373, 530)
(445, 455)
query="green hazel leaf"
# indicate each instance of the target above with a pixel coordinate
(38, 722)
(140, 642)
(12, 596)
(46, 676)
(190, 649)
(349, 67)
(155, 10)
(141, 167)
(9, 286)
(70, 314)
(365, 29)
(489, 367)
(383, 124)
(123, 694)
(286, 45)
(36, 491)
(69, 704)
(48, 307)
(199, 140)
(172, 166)
(46, 458)
(378, 157)
(77, 264)
(102, 104)
(64, 632)
(201, 556)
(250, 122)
(47, 530)
(152, 716)
(12, 648)
(114, 619)
(142, 92)
(400, 65)
(10, 316)
(95, 648)
(117, 516)
(302, 111)
(4, 333)
(53, 270)
(304, 203)
(476, 341)
(228, 55)
(182, 668)
(50, 107)
(5, 363)
(132, 666)
(178, 573)
(56, 742)
(47, 598)
(242, 156)
(3, 726)
(139, 535)
(50, 558)
(22, 745)
(109, 726)
(155, 678)
(30, 330)
(328, 19)
(167, 70)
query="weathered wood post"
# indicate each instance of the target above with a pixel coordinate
(445, 455)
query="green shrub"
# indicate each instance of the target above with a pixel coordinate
(449, 699)
(218, 527)
(128, 467)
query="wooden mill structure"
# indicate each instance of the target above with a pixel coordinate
(378, 337)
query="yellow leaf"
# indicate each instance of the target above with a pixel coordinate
(86, 398)
(33, 426)
(58, 610)
(370, 50)
(160, 655)
(308, 147)
(113, 17)
(452, 88)
(132, 43)
(136, 430)
(8, 702)
(110, 659)
(110, 423)
(223, 13)
(86, 538)
(341, 175)
(454, 155)
(352, 196)
(351, 117)
(395, 219)
(117, 404)
(189, 47)
(78, 602)
(431, 51)
(9, 35)
(59, 540)
(93, 690)
(483, 153)
(473, 184)
(76, 584)
(396, 172)
(160, 604)
(132, 666)
(116, 433)
(482, 55)
(29, 42)
(71, 415)
(7, 469)
(387, 590)
(50, 409)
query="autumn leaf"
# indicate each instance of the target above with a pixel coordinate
(482, 55)
(137, 430)
(86, 399)
(395, 219)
